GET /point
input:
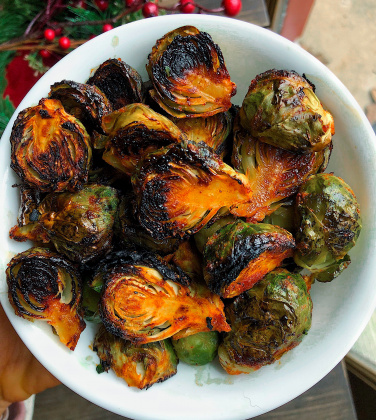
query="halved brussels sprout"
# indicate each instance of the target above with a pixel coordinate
(214, 131)
(80, 224)
(140, 365)
(87, 103)
(273, 173)
(197, 349)
(329, 223)
(188, 259)
(145, 300)
(43, 285)
(189, 74)
(266, 322)
(134, 131)
(50, 149)
(180, 188)
(239, 254)
(282, 109)
(120, 82)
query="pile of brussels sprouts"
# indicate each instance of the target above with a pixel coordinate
(179, 223)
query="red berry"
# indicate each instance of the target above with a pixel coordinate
(187, 6)
(232, 7)
(64, 42)
(150, 9)
(58, 31)
(45, 53)
(102, 5)
(49, 34)
(81, 4)
(92, 36)
(107, 27)
(132, 3)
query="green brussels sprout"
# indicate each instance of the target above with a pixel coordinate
(45, 286)
(239, 254)
(266, 321)
(140, 365)
(214, 131)
(80, 224)
(134, 131)
(189, 74)
(282, 109)
(90, 304)
(197, 349)
(120, 82)
(87, 103)
(145, 300)
(328, 216)
(50, 149)
(283, 216)
(274, 174)
(181, 187)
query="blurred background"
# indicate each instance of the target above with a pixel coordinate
(341, 34)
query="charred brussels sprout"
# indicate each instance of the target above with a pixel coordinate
(80, 224)
(134, 131)
(145, 300)
(120, 82)
(43, 285)
(50, 149)
(87, 103)
(140, 365)
(239, 254)
(273, 173)
(282, 109)
(214, 131)
(189, 74)
(197, 349)
(329, 224)
(179, 189)
(266, 321)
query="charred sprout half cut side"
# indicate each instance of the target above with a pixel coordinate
(266, 322)
(133, 132)
(240, 254)
(143, 301)
(189, 74)
(50, 149)
(140, 365)
(120, 82)
(80, 225)
(329, 224)
(282, 109)
(87, 103)
(43, 285)
(273, 173)
(180, 188)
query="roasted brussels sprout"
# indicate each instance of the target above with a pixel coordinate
(140, 365)
(283, 216)
(90, 304)
(266, 321)
(80, 224)
(188, 259)
(189, 74)
(50, 149)
(282, 109)
(329, 224)
(43, 285)
(145, 300)
(120, 82)
(239, 254)
(197, 349)
(134, 131)
(180, 188)
(214, 131)
(273, 173)
(87, 103)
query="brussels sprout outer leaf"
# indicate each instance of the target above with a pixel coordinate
(266, 321)
(238, 255)
(140, 365)
(43, 285)
(331, 272)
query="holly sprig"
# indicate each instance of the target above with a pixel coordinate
(52, 28)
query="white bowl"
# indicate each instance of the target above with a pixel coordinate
(341, 308)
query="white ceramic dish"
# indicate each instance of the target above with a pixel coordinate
(341, 308)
